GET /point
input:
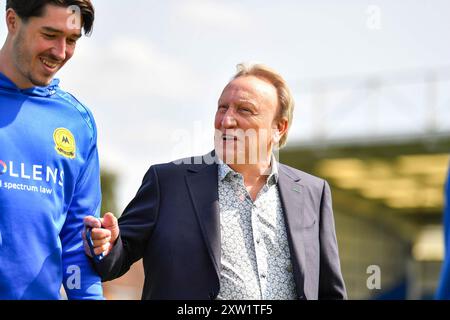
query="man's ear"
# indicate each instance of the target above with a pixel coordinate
(12, 21)
(280, 128)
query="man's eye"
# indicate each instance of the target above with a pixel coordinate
(49, 36)
(71, 41)
(245, 110)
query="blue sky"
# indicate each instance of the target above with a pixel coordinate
(153, 70)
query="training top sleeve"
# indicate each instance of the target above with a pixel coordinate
(79, 278)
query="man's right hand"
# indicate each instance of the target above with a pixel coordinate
(104, 234)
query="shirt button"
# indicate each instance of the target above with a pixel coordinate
(263, 275)
(289, 268)
(258, 240)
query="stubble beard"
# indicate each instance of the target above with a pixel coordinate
(22, 60)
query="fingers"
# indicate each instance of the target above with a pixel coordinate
(92, 222)
(100, 234)
(109, 221)
(101, 241)
(104, 232)
(101, 249)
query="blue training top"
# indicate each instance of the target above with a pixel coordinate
(49, 181)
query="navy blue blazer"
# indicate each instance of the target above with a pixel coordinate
(173, 223)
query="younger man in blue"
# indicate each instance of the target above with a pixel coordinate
(49, 168)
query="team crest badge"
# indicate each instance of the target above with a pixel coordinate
(64, 143)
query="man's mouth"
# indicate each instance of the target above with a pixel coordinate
(49, 64)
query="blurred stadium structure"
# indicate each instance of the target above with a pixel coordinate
(383, 144)
(386, 171)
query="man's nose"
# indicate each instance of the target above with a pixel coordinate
(229, 119)
(59, 49)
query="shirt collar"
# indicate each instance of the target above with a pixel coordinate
(225, 170)
(6, 83)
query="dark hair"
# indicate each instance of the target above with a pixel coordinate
(33, 8)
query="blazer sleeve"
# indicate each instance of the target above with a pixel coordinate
(136, 226)
(331, 282)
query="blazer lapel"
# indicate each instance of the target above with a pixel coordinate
(202, 183)
(292, 199)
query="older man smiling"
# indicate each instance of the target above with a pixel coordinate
(243, 226)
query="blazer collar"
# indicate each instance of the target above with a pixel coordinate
(202, 183)
(292, 199)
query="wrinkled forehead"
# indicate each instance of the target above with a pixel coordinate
(236, 90)
(249, 88)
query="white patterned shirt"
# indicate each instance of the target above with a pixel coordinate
(256, 262)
